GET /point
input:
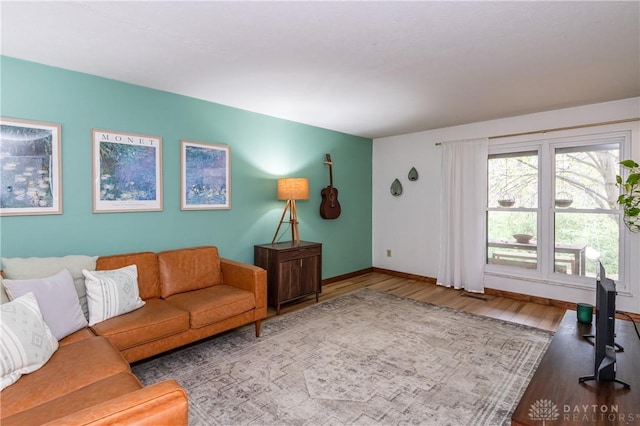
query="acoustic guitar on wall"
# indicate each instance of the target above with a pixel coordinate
(330, 206)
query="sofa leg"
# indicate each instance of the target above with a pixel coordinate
(257, 328)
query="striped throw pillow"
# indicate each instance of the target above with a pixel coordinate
(111, 293)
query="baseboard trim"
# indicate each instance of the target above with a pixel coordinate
(546, 301)
(502, 293)
(405, 275)
(346, 276)
(528, 298)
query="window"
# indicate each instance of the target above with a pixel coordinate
(586, 215)
(513, 214)
(552, 207)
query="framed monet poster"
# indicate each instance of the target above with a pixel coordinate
(205, 171)
(127, 172)
(30, 175)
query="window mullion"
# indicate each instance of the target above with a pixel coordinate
(545, 211)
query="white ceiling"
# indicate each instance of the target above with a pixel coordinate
(367, 68)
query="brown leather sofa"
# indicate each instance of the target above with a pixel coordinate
(189, 294)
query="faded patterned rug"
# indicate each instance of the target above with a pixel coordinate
(367, 358)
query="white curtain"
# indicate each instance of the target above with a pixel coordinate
(462, 214)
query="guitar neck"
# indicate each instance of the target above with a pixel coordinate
(330, 176)
(330, 163)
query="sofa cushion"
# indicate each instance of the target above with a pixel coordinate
(71, 367)
(82, 334)
(147, 264)
(57, 299)
(164, 403)
(155, 320)
(213, 304)
(26, 343)
(112, 293)
(19, 268)
(85, 397)
(188, 269)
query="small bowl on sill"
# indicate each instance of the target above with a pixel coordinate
(523, 238)
(506, 203)
(563, 202)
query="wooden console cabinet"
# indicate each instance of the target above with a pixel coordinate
(294, 270)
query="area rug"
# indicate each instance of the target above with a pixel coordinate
(367, 358)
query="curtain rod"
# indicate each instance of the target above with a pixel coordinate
(579, 126)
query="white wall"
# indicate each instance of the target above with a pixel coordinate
(408, 225)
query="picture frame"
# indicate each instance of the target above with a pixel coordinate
(205, 176)
(30, 167)
(127, 172)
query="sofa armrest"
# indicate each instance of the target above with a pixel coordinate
(161, 403)
(247, 277)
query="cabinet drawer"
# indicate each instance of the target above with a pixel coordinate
(284, 256)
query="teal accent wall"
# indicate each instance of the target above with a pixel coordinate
(262, 150)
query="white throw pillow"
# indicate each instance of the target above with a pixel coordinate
(26, 343)
(112, 292)
(57, 299)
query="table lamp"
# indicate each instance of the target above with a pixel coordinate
(290, 190)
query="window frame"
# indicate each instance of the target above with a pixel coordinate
(546, 210)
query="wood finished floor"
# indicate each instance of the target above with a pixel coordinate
(532, 314)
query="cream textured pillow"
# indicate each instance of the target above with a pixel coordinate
(26, 343)
(21, 268)
(57, 299)
(4, 298)
(112, 292)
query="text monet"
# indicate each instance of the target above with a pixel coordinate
(127, 139)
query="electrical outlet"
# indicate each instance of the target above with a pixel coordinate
(388, 252)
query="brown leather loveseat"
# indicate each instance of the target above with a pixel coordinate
(189, 294)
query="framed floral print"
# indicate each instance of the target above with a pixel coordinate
(205, 171)
(30, 169)
(127, 172)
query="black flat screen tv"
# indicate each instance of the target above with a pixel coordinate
(605, 359)
(605, 345)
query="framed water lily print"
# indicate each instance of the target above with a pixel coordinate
(205, 171)
(30, 175)
(127, 172)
